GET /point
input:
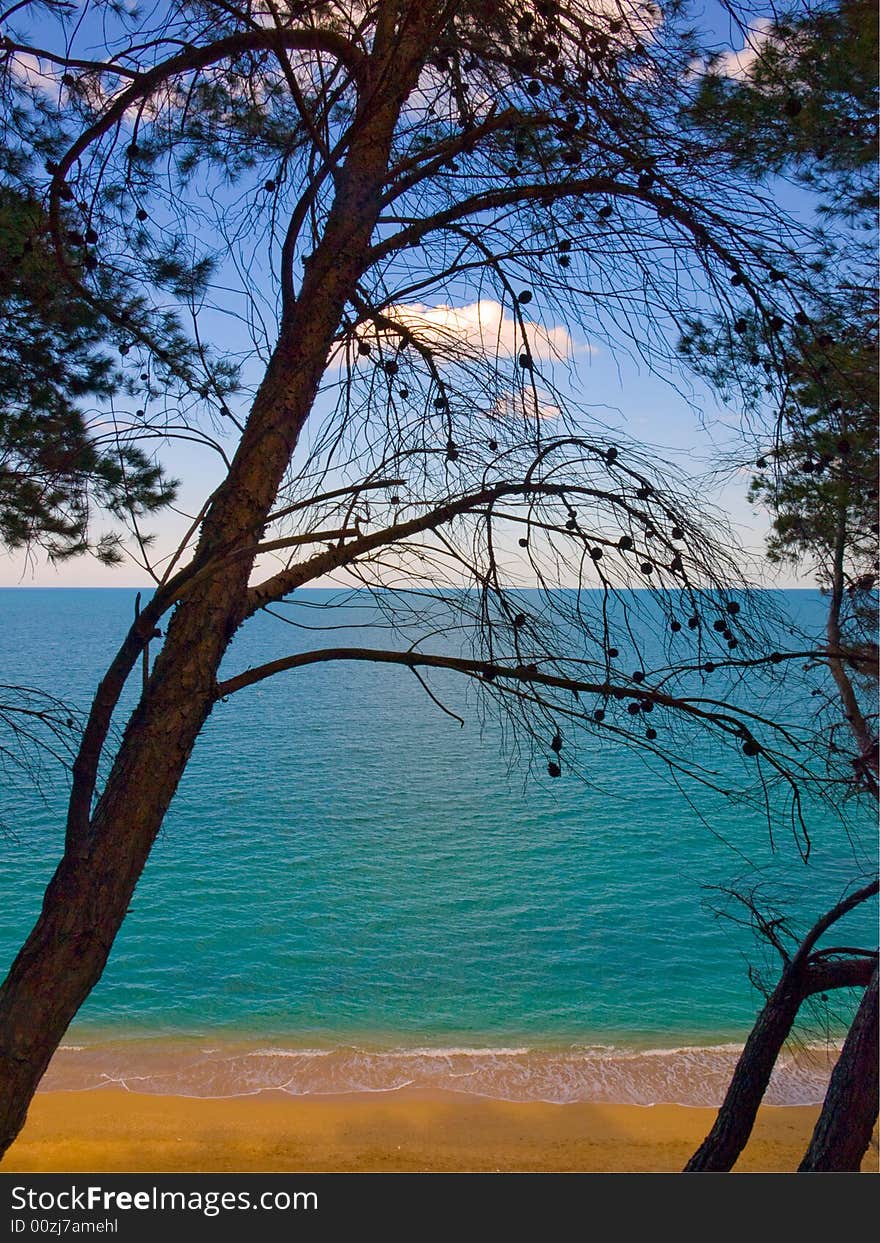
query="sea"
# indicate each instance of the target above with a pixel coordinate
(354, 891)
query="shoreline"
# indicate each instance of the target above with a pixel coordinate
(410, 1130)
(202, 1067)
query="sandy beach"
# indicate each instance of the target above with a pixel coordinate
(113, 1130)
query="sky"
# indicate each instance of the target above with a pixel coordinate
(615, 387)
(642, 407)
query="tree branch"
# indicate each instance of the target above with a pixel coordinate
(831, 917)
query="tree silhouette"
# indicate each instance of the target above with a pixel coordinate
(807, 970)
(806, 104)
(54, 466)
(807, 101)
(390, 222)
(819, 483)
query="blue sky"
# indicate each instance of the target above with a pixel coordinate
(641, 406)
(698, 436)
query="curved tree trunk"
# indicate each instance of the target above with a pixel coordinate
(88, 897)
(843, 1131)
(736, 1117)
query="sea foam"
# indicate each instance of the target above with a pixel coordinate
(684, 1075)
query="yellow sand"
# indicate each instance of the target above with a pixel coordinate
(114, 1130)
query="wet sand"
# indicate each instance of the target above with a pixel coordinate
(114, 1130)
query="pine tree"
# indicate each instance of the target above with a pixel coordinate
(386, 220)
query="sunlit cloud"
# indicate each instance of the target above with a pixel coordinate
(482, 327)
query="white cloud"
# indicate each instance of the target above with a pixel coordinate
(31, 71)
(480, 327)
(738, 65)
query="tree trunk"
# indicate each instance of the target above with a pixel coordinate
(88, 897)
(843, 1131)
(867, 764)
(736, 1117)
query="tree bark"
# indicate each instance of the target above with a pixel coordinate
(849, 1112)
(88, 897)
(736, 1117)
(851, 707)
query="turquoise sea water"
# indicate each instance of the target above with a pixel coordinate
(347, 873)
